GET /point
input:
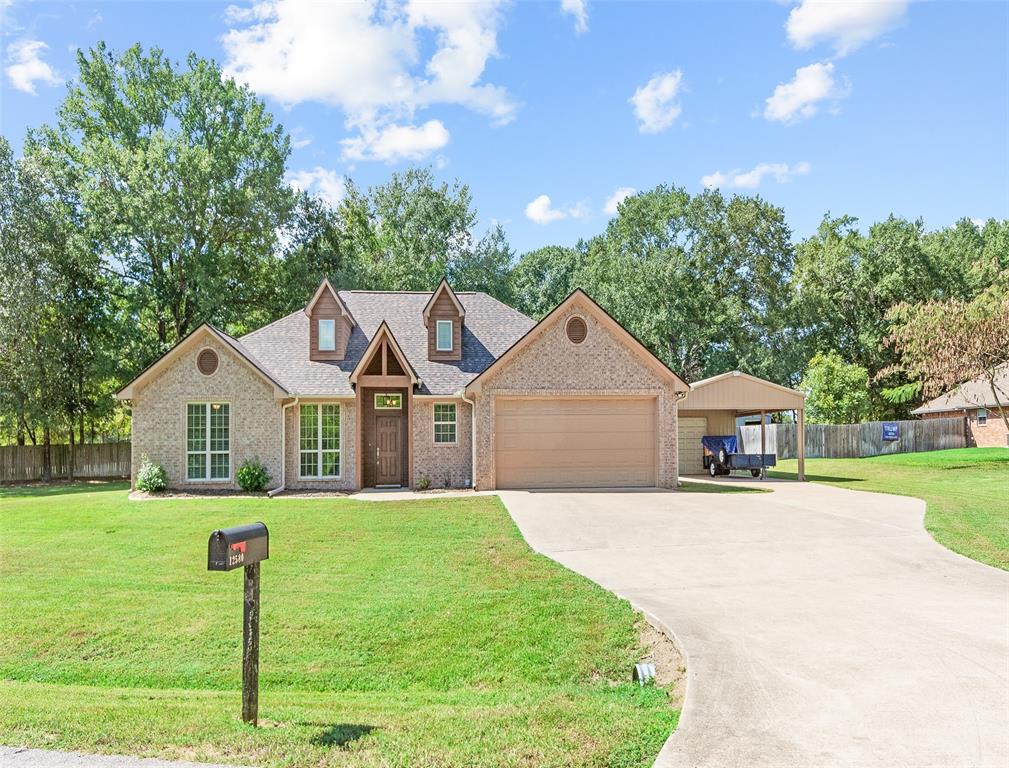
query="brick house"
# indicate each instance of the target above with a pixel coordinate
(383, 389)
(974, 402)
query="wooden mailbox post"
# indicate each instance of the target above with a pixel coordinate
(244, 546)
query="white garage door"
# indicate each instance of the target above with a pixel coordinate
(603, 442)
(690, 432)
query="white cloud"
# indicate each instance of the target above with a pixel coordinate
(619, 195)
(374, 60)
(737, 179)
(578, 10)
(800, 98)
(396, 142)
(541, 211)
(26, 68)
(298, 138)
(846, 24)
(327, 184)
(655, 104)
(979, 222)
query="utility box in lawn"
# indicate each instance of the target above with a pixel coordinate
(231, 548)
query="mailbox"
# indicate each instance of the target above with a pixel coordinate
(231, 548)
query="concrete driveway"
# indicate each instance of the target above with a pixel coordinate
(822, 626)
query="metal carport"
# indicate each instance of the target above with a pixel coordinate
(719, 400)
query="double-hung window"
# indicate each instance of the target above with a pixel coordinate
(982, 416)
(443, 343)
(319, 440)
(444, 423)
(208, 441)
(327, 335)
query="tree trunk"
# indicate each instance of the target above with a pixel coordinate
(47, 459)
(1002, 409)
(73, 454)
(81, 440)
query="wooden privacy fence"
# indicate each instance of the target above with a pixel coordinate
(23, 463)
(851, 441)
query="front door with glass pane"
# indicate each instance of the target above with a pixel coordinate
(389, 451)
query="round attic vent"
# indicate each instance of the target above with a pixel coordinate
(206, 361)
(576, 330)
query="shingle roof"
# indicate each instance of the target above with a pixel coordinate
(971, 394)
(489, 330)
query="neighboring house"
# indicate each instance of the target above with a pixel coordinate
(974, 401)
(372, 388)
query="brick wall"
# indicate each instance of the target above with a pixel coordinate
(159, 415)
(601, 365)
(990, 435)
(348, 449)
(447, 466)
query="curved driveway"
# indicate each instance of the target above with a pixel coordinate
(822, 626)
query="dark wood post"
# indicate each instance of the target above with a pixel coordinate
(250, 647)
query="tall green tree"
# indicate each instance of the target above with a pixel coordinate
(701, 280)
(180, 173)
(543, 278)
(836, 392)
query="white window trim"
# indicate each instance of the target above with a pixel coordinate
(206, 451)
(333, 324)
(436, 422)
(318, 442)
(378, 407)
(982, 420)
(437, 335)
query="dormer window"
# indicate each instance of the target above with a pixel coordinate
(444, 336)
(445, 318)
(327, 335)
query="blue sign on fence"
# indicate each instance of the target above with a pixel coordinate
(891, 430)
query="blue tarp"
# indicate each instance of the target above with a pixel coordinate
(714, 442)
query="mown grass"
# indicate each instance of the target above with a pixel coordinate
(393, 633)
(966, 491)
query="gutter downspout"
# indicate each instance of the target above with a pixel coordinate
(283, 448)
(680, 396)
(472, 437)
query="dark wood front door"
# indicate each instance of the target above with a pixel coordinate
(390, 450)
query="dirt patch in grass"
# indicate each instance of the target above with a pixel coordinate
(670, 669)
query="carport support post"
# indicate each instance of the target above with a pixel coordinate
(800, 438)
(250, 647)
(763, 444)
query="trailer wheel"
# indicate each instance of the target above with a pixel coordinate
(712, 469)
(723, 457)
(755, 472)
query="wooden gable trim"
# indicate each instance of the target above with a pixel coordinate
(324, 286)
(442, 287)
(383, 335)
(740, 375)
(193, 339)
(578, 296)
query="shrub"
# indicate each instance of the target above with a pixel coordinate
(151, 477)
(252, 475)
(423, 483)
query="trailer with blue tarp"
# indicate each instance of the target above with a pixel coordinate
(721, 457)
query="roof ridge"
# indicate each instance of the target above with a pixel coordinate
(412, 293)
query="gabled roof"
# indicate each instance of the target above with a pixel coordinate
(383, 333)
(743, 393)
(325, 286)
(491, 328)
(578, 296)
(443, 287)
(187, 343)
(975, 393)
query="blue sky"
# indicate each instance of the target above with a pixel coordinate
(861, 108)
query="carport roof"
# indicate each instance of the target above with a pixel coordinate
(741, 393)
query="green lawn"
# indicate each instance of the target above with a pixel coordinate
(393, 634)
(966, 489)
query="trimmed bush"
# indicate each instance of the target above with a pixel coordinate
(252, 475)
(151, 477)
(423, 483)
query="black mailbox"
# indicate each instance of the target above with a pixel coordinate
(242, 545)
